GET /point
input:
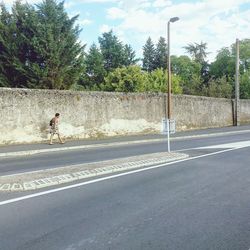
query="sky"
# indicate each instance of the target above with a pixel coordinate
(215, 22)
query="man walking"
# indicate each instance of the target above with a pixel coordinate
(54, 129)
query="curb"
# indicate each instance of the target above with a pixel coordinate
(23, 185)
(50, 150)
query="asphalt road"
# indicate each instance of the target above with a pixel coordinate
(200, 203)
(22, 164)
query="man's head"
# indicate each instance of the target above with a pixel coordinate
(57, 115)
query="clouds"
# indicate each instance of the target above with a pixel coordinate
(10, 2)
(116, 13)
(84, 22)
(216, 22)
(161, 3)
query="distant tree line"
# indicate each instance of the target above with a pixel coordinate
(40, 48)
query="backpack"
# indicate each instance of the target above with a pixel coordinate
(51, 122)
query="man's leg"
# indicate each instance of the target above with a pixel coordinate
(60, 139)
(51, 138)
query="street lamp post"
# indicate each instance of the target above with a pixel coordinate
(171, 20)
(167, 120)
(237, 88)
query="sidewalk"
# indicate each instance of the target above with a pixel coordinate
(30, 149)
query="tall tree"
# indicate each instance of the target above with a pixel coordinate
(189, 72)
(224, 64)
(129, 55)
(44, 51)
(244, 54)
(112, 51)
(192, 49)
(58, 44)
(161, 54)
(197, 51)
(94, 72)
(5, 19)
(12, 67)
(148, 62)
(245, 85)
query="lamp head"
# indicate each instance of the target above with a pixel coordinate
(174, 19)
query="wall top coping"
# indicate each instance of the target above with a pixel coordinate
(101, 93)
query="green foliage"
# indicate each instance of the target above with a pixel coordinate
(58, 44)
(112, 51)
(161, 51)
(40, 47)
(94, 72)
(129, 56)
(77, 87)
(218, 88)
(245, 85)
(188, 72)
(185, 67)
(156, 81)
(10, 64)
(224, 65)
(133, 79)
(125, 79)
(197, 51)
(148, 62)
(244, 54)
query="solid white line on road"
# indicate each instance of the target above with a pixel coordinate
(240, 144)
(6, 202)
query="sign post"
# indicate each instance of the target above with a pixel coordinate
(168, 127)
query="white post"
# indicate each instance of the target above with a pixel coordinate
(168, 133)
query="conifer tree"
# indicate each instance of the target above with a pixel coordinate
(161, 54)
(10, 75)
(148, 62)
(57, 44)
(40, 47)
(95, 71)
(129, 56)
(112, 51)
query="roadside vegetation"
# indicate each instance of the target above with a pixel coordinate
(40, 48)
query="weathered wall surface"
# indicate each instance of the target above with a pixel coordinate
(193, 112)
(245, 111)
(25, 114)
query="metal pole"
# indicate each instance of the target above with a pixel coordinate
(237, 88)
(169, 74)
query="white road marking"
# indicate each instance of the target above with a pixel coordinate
(6, 202)
(240, 144)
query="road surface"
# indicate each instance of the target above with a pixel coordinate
(202, 202)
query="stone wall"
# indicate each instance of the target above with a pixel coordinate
(245, 111)
(25, 113)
